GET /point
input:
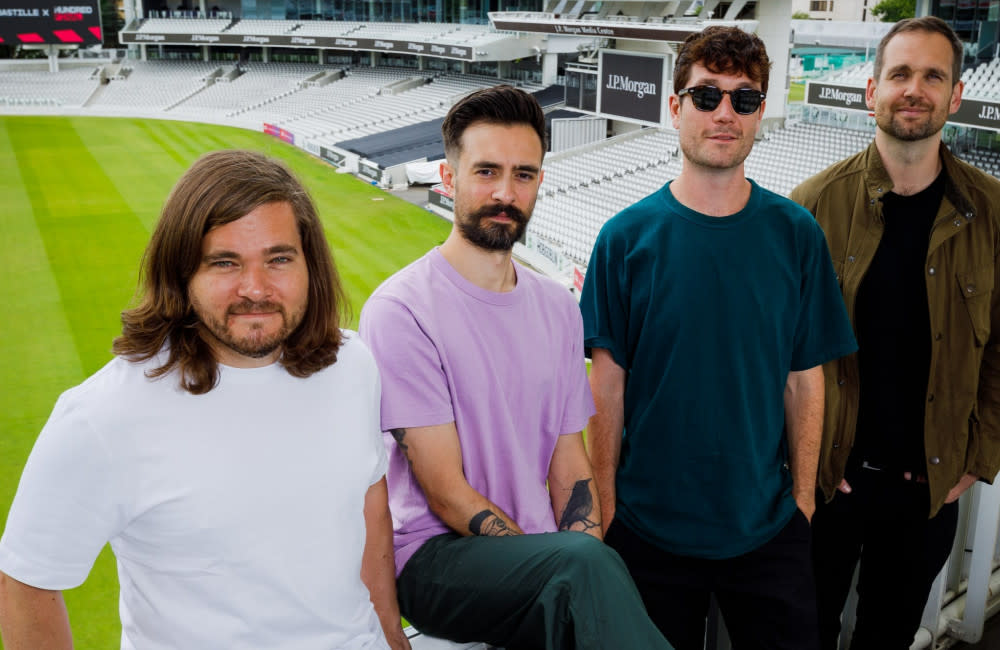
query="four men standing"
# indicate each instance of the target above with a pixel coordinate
(711, 309)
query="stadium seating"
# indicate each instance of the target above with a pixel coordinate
(789, 156)
(259, 84)
(988, 161)
(183, 25)
(155, 85)
(981, 82)
(326, 105)
(586, 186)
(70, 88)
(264, 27)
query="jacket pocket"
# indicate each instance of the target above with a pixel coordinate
(976, 288)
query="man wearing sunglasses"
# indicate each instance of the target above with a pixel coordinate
(913, 419)
(709, 308)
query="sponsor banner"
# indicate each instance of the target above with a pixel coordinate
(577, 278)
(284, 40)
(548, 252)
(632, 87)
(332, 157)
(279, 132)
(70, 22)
(673, 33)
(440, 199)
(850, 97)
(371, 172)
(978, 113)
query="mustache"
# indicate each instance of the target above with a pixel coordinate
(512, 212)
(915, 103)
(249, 307)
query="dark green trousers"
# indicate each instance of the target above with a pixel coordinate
(557, 591)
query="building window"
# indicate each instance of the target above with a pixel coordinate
(821, 5)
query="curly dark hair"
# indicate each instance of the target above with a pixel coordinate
(723, 50)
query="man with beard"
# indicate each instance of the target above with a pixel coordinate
(913, 419)
(708, 309)
(484, 395)
(230, 452)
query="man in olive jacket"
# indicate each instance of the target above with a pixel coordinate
(913, 418)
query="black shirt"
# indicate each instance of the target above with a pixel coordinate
(894, 335)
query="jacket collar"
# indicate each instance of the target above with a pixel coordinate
(879, 183)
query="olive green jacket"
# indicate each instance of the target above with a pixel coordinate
(962, 418)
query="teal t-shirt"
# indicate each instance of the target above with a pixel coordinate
(708, 315)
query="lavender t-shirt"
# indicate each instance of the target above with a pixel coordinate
(507, 368)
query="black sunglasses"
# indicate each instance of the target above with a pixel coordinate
(745, 101)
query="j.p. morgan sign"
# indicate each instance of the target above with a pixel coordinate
(836, 96)
(979, 113)
(632, 87)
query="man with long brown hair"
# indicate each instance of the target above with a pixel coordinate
(231, 451)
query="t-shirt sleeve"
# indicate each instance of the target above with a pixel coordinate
(375, 432)
(65, 509)
(603, 301)
(415, 390)
(823, 331)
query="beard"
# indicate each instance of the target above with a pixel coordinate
(493, 236)
(256, 343)
(933, 122)
(698, 151)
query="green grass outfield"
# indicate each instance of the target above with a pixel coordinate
(80, 197)
(796, 91)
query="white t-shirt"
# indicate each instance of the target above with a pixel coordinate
(236, 516)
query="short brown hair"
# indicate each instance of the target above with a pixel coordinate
(931, 25)
(723, 50)
(219, 188)
(501, 104)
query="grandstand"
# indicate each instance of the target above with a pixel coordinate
(362, 107)
(981, 82)
(70, 88)
(185, 26)
(324, 105)
(152, 85)
(984, 81)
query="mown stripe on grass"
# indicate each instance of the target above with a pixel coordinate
(199, 138)
(40, 356)
(157, 132)
(141, 171)
(35, 368)
(92, 240)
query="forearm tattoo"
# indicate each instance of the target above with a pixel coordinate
(489, 524)
(579, 508)
(398, 435)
